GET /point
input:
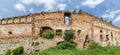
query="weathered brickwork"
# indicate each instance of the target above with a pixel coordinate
(27, 30)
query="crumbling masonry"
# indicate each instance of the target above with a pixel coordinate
(26, 30)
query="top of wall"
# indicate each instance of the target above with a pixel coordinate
(28, 18)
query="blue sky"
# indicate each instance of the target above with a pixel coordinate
(107, 9)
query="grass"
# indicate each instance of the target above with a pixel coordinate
(66, 49)
(97, 51)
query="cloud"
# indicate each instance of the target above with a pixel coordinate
(20, 7)
(111, 14)
(62, 6)
(27, 2)
(77, 7)
(31, 10)
(117, 19)
(92, 3)
(48, 4)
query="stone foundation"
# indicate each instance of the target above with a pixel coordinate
(30, 44)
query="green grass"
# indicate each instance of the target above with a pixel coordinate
(97, 51)
(68, 48)
(94, 49)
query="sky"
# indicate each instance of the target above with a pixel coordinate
(107, 9)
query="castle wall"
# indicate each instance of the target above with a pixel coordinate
(77, 22)
(15, 30)
(105, 33)
(85, 26)
(16, 27)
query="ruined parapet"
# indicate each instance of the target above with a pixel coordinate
(16, 20)
(4, 21)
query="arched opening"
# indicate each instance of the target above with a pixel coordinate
(107, 38)
(44, 30)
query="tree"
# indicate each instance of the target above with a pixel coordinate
(75, 10)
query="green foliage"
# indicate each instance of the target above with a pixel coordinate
(58, 33)
(58, 52)
(48, 35)
(94, 49)
(18, 51)
(8, 52)
(66, 45)
(69, 34)
(75, 10)
(112, 50)
(94, 45)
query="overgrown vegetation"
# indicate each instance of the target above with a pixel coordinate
(66, 45)
(94, 45)
(16, 51)
(48, 35)
(75, 10)
(69, 34)
(94, 49)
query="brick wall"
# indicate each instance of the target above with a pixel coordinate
(89, 26)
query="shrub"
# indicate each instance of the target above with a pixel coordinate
(18, 51)
(8, 52)
(69, 34)
(48, 35)
(66, 45)
(58, 33)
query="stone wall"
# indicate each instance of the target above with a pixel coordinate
(15, 31)
(105, 33)
(30, 44)
(86, 28)
(77, 22)
(16, 20)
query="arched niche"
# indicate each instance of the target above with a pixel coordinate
(16, 20)
(29, 19)
(23, 20)
(45, 29)
(10, 21)
(4, 21)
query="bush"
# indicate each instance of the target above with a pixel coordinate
(18, 51)
(69, 34)
(58, 33)
(48, 35)
(66, 45)
(8, 52)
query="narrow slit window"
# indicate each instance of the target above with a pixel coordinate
(67, 20)
(101, 38)
(78, 32)
(107, 38)
(101, 31)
